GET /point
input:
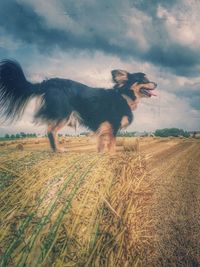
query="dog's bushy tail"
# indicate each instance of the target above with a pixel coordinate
(15, 90)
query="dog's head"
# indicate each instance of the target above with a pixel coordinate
(133, 85)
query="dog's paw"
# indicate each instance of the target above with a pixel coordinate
(61, 150)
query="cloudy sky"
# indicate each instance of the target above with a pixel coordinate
(85, 39)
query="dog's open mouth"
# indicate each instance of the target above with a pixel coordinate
(148, 90)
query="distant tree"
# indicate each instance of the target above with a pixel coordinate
(23, 135)
(31, 135)
(126, 134)
(83, 133)
(17, 135)
(194, 134)
(12, 136)
(166, 132)
(7, 136)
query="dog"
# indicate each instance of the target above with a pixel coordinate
(63, 101)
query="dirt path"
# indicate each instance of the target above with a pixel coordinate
(177, 205)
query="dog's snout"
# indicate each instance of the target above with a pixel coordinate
(152, 85)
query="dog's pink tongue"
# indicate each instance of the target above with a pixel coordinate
(152, 93)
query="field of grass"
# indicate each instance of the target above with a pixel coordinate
(140, 207)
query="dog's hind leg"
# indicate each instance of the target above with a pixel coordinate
(52, 131)
(51, 136)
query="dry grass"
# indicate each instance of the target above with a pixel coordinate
(47, 210)
(20, 147)
(125, 232)
(131, 144)
(86, 209)
(54, 207)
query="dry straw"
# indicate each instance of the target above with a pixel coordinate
(74, 209)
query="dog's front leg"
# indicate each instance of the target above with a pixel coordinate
(112, 145)
(105, 137)
(100, 144)
(106, 143)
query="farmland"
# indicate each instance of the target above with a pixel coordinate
(140, 207)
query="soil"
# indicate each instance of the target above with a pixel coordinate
(176, 211)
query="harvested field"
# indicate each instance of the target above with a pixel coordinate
(140, 207)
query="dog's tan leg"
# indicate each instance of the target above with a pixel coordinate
(106, 140)
(112, 145)
(100, 145)
(52, 131)
(124, 122)
(58, 127)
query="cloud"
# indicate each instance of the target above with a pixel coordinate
(85, 40)
(167, 111)
(179, 59)
(181, 22)
(142, 30)
(191, 93)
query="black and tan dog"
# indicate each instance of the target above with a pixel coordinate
(104, 111)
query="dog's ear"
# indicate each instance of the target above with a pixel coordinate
(119, 76)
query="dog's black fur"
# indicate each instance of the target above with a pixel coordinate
(61, 97)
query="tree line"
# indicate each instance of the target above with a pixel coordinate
(18, 135)
(166, 132)
(175, 132)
